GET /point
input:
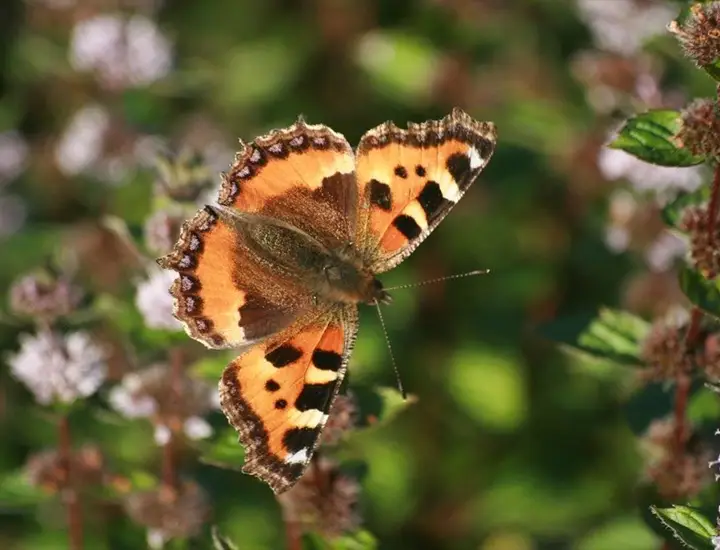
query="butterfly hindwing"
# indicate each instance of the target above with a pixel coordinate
(410, 179)
(224, 295)
(278, 394)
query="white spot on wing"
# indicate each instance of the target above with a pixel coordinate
(299, 457)
(309, 419)
(451, 192)
(475, 160)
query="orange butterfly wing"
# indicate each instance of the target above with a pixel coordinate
(278, 394)
(224, 295)
(302, 175)
(410, 179)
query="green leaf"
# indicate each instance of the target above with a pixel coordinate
(138, 481)
(703, 408)
(650, 137)
(673, 211)
(141, 480)
(613, 334)
(224, 451)
(379, 405)
(713, 69)
(360, 540)
(687, 525)
(211, 367)
(399, 65)
(17, 492)
(702, 292)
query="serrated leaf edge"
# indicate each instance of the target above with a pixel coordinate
(657, 512)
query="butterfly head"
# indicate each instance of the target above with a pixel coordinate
(377, 294)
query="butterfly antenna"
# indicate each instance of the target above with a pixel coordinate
(392, 355)
(441, 279)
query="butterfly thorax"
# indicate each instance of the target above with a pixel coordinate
(346, 280)
(329, 275)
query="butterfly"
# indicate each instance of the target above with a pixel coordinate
(302, 227)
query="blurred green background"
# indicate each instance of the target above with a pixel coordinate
(510, 445)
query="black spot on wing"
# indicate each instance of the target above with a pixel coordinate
(297, 439)
(380, 195)
(407, 226)
(420, 170)
(432, 201)
(458, 165)
(280, 404)
(315, 396)
(327, 360)
(401, 172)
(484, 147)
(272, 386)
(283, 356)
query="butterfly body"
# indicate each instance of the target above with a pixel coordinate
(302, 230)
(331, 276)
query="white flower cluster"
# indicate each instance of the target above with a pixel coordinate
(615, 164)
(155, 302)
(58, 368)
(83, 140)
(129, 400)
(121, 51)
(622, 26)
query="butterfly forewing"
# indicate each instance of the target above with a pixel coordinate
(302, 175)
(410, 179)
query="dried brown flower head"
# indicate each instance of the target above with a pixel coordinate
(323, 501)
(676, 475)
(48, 470)
(700, 130)
(169, 513)
(699, 35)
(703, 251)
(44, 295)
(665, 352)
(343, 417)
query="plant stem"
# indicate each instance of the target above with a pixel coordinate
(169, 472)
(293, 535)
(70, 497)
(713, 205)
(683, 382)
(682, 390)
